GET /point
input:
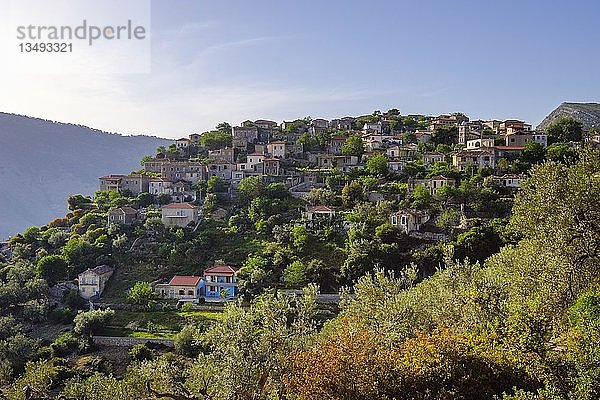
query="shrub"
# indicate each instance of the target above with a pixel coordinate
(86, 323)
(66, 344)
(140, 352)
(184, 342)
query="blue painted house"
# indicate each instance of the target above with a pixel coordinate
(220, 281)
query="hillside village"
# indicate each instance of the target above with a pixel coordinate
(270, 258)
(438, 177)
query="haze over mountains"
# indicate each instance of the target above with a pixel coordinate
(43, 162)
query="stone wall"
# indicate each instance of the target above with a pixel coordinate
(128, 341)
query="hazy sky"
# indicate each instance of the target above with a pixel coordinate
(229, 61)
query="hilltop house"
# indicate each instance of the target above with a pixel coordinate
(180, 214)
(122, 216)
(370, 127)
(181, 287)
(479, 143)
(510, 181)
(243, 135)
(93, 280)
(409, 220)
(182, 143)
(431, 157)
(276, 149)
(433, 183)
(483, 157)
(319, 212)
(221, 282)
(136, 184)
(335, 143)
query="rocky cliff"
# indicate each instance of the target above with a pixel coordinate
(586, 113)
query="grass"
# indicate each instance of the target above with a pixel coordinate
(157, 324)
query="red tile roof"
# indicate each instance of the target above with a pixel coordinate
(220, 270)
(186, 206)
(185, 280)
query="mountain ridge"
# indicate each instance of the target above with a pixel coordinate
(42, 162)
(586, 113)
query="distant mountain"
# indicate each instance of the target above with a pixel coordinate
(43, 162)
(586, 113)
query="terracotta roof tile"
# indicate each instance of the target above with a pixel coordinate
(185, 280)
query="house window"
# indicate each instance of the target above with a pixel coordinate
(181, 292)
(190, 293)
(394, 220)
(403, 220)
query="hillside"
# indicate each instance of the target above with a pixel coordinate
(42, 162)
(586, 113)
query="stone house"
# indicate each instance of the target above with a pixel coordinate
(431, 157)
(273, 166)
(276, 149)
(194, 139)
(122, 216)
(136, 184)
(343, 124)
(335, 143)
(182, 143)
(244, 135)
(91, 282)
(319, 212)
(221, 170)
(222, 155)
(181, 287)
(479, 158)
(409, 220)
(372, 127)
(510, 181)
(433, 183)
(180, 214)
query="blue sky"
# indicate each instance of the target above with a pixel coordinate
(236, 60)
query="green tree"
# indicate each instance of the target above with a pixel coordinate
(31, 235)
(141, 294)
(352, 193)
(421, 197)
(353, 146)
(216, 139)
(80, 254)
(533, 152)
(565, 130)
(561, 153)
(445, 135)
(294, 275)
(224, 127)
(378, 164)
(146, 159)
(250, 188)
(88, 322)
(216, 185)
(78, 201)
(53, 268)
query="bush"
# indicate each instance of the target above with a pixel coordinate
(62, 315)
(66, 344)
(184, 342)
(140, 352)
(86, 323)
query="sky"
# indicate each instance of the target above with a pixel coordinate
(280, 59)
